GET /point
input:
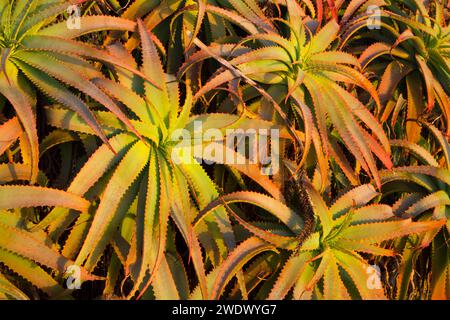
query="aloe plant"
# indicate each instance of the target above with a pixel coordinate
(39, 54)
(145, 174)
(116, 119)
(328, 264)
(216, 16)
(414, 52)
(307, 70)
(424, 195)
(27, 253)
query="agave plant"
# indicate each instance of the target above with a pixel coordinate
(305, 69)
(425, 197)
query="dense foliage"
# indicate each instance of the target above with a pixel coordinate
(104, 193)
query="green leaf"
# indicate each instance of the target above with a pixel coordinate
(381, 231)
(39, 196)
(9, 291)
(99, 233)
(276, 208)
(235, 261)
